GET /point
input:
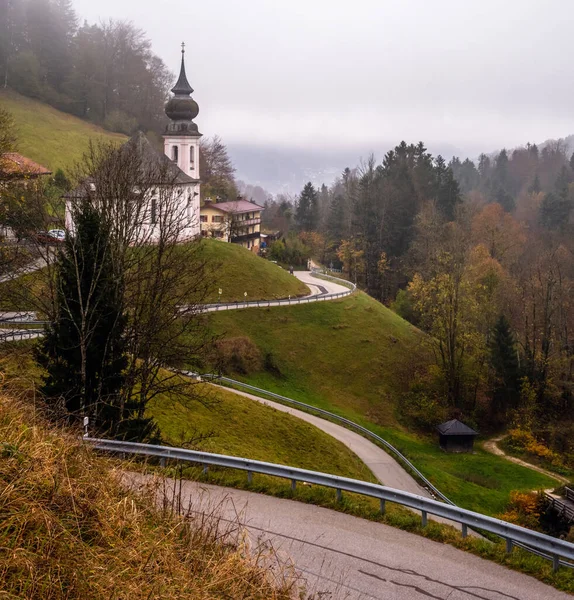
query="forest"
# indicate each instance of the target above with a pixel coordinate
(106, 73)
(480, 256)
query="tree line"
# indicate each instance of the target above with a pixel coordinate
(481, 257)
(106, 72)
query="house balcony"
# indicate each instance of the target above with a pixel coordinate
(245, 237)
(246, 222)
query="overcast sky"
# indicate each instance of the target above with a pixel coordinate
(473, 74)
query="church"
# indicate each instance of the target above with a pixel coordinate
(180, 160)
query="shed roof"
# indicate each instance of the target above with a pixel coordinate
(455, 427)
(13, 164)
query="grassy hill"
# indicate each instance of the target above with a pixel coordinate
(237, 270)
(353, 357)
(69, 528)
(245, 428)
(48, 136)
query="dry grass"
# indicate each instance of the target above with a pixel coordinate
(68, 529)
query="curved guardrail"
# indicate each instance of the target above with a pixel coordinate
(513, 534)
(333, 417)
(351, 287)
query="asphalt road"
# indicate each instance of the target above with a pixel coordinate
(385, 468)
(347, 558)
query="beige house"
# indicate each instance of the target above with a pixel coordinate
(238, 222)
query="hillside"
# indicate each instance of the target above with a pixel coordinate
(236, 270)
(353, 357)
(48, 136)
(69, 529)
(238, 426)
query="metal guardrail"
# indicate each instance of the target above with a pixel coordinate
(20, 334)
(333, 417)
(513, 534)
(365, 432)
(351, 287)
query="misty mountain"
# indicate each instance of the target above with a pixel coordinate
(281, 170)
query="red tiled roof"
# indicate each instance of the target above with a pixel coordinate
(237, 206)
(13, 164)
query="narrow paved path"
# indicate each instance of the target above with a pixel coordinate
(383, 466)
(347, 558)
(493, 447)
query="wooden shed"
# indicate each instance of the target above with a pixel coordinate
(455, 436)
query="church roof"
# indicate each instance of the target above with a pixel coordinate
(13, 164)
(455, 427)
(152, 158)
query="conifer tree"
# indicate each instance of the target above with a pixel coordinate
(504, 361)
(83, 350)
(307, 208)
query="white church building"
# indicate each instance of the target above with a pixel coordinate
(179, 165)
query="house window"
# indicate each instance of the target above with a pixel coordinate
(203, 218)
(217, 219)
(174, 153)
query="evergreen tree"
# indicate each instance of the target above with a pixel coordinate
(83, 350)
(307, 209)
(447, 189)
(504, 361)
(535, 185)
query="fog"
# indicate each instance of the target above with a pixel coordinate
(333, 75)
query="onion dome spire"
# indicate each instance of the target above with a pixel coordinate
(181, 109)
(182, 87)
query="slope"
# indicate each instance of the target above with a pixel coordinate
(70, 530)
(48, 136)
(354, 357)
(236, 270)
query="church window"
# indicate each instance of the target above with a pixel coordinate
(174, 153)
(153, 211)
(191, 157)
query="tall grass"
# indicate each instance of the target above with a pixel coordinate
(69, 529)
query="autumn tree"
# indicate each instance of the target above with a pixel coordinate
(216, 170)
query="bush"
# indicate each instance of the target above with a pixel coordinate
(521, 440)
(525, 509)
(290, 251)
(422, 408)
(237, 355)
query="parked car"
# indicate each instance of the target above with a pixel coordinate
(58, 234)
(46, 237)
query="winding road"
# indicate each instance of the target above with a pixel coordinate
(347, 558)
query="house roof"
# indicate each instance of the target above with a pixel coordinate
(236, 206)
(455, 427)
(151, 159)
(13, 164)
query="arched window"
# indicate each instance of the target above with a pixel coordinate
(174, 153)
(191, 157)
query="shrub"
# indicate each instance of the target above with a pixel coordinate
(525, 509)
(237, 355)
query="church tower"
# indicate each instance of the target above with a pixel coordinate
(181, 137)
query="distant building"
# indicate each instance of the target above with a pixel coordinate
(455, 436)
(238, 222)
(179, 160)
